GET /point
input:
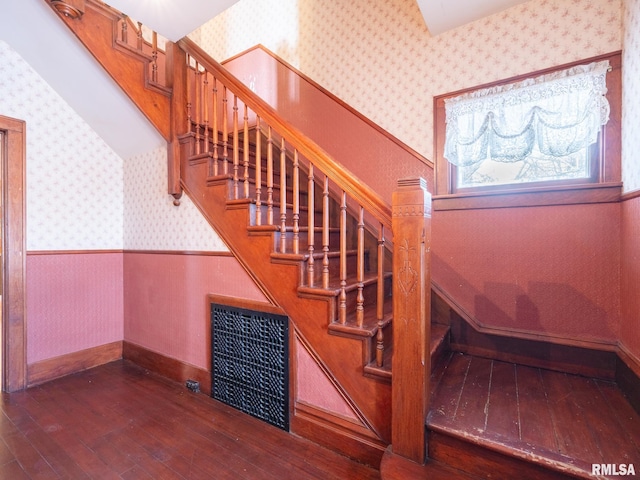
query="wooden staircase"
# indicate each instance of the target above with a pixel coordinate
(324, 249)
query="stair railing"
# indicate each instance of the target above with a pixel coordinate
(266, 160)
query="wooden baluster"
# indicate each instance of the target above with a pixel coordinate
(205, 113)
(154, 57)
(360, 270)
(188, 93)
(258, 173)
(325, 233)
(283, 196)
(342, 305)
(269, 177)
(124, 34)
(311, 228)
(225, 131)
(196, 106)
(296, 203)
(245, 147)
(139, 39)
(380, 299)
(236, 148)
(216, 134)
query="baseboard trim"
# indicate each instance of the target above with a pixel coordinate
(337, 433)
(167, 367)
(593, 359)
(628, 376)
(52, 368)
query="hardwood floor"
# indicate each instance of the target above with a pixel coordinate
(118, 421)
(560, 421)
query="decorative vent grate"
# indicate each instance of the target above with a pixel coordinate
(250, 362)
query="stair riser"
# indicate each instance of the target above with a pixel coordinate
(483, 462)
(369, 293)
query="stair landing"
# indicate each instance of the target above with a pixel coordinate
(553, 425)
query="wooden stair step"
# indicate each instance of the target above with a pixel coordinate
(439, 345)
(498, 419)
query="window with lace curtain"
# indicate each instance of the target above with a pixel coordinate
(545, 130)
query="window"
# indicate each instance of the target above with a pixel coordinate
(549, 131)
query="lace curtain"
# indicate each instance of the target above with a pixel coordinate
(556, 114)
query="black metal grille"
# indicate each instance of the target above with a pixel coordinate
(250, 362)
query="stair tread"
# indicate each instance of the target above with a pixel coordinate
(556, 421)
(439, 334)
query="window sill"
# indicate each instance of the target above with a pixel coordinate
(533, 197)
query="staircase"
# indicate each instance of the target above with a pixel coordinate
(330, 254)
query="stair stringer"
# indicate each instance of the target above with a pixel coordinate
(342, 357)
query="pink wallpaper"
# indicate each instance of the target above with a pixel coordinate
(165, 307)
(379, 57)
(630, 330)
(631, 95)
(74, 302)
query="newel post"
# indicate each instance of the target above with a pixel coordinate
(176, 80)
(411, 225)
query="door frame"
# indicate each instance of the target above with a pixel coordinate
(14, 340)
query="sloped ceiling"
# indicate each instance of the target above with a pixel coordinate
(32, 29)
(443, 15)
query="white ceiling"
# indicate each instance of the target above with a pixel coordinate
(443, 15)
(32, 28)
(176, 18)
(172, 19)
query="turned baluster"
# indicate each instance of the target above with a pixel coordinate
(154, 57)
(245, 146)
(360, 270)
(236, 149)
(196, 106)
(188, 92)
(380, 300)
(216, 135)
(225, 131)
(283, 197)
(258, 173)
(269, 177)
(311, 228)
(139, 38)
(325, 233)
(296, 203)
(124, 34)
(205, 112)
(342, 308)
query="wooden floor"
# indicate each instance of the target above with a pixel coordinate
(118, 421)
(564, 421)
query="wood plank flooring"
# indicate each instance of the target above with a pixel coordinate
(118, 421)
(566, 422)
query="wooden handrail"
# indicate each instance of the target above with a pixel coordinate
(375, 204)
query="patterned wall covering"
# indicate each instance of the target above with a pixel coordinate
(151, 221)
(74, 302)
(631, 96)
(380, 58)
(74, 180)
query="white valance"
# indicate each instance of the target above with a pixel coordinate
(556, 114)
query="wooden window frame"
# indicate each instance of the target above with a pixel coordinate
(605, 184)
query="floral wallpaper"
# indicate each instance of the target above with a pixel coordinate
(631, 96)
(151, 221)
(74, 179)
(380, 58)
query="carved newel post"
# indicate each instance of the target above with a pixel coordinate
(411, 318)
